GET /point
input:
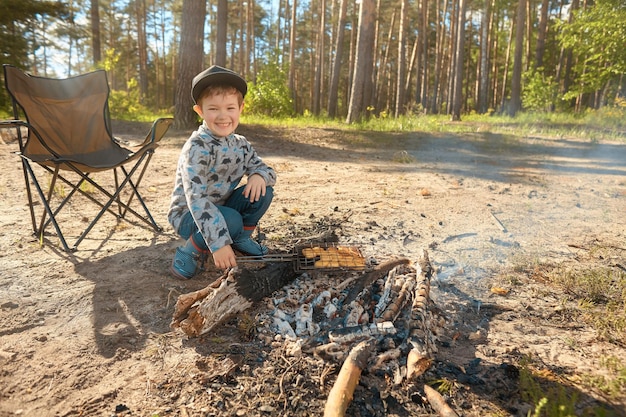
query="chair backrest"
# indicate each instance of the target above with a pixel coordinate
(71, 116)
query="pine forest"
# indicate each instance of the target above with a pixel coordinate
(343, 59)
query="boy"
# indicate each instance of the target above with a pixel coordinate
(208, 207)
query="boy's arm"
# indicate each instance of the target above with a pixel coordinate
(199, 185)
(255, 165)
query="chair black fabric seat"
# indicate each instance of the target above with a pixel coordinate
(69, 130)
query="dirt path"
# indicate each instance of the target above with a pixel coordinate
(88, 333)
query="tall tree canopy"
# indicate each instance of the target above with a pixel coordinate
(417, 56)
(597, 36)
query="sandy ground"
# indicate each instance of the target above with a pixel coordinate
(87, 333)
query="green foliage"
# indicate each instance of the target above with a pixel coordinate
(596, 38)
(125, 105)
(543, 388)
(269, 95)
(14, 25)
(540, 91)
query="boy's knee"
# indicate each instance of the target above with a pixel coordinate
(233, 218)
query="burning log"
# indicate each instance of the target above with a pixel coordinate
(341, 394)
(420, 333)
(382, 320)
(199, 312)
(404, 285)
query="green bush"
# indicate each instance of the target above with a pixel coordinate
(269, 94)
(539, 92)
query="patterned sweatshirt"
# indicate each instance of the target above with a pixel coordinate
(209, 169)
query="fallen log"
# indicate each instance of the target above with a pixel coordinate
(342, 391)
(237, 290)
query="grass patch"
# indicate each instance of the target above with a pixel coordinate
(600, 295)
(604, 124)
(592, 292)
(554, 396)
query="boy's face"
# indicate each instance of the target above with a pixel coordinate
(220, 112)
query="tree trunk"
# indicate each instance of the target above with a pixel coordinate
(95, 32)
(516, 78)
(541, 35)
(362, 80)
(382, 72)
(458, 67)
(190, 62)
(249, 69)
(142, 48)
(292, 55)
(221, 29)
(483, 76)
(451, 68)
(505, 71)
(439, 58)
(423, 73)
(319, 60)
(400, 91)
(565, 58)
(333, 93)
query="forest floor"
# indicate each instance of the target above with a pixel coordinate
(88, 333)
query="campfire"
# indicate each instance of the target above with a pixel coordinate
(376, 320)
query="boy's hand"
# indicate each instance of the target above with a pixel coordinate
(255, 188)
(224, 257)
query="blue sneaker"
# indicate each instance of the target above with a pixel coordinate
(185, 263)
(247, 246)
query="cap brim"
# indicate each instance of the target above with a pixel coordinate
(218, 78)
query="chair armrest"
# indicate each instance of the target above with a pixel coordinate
(158, 130)
(7, 124)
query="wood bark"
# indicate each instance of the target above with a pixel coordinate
(382, 73)
(235, 291)
(541, 34)
(363, 63)
(515, 104)
(505, 71)
(342, 391)
(483, 73)
(319, 60)
(423, 68)
(142, 48)
(438, 403)
(292, 54)
(441, 46)
(95, 32)
(222, 30)
(457, 99)
(333, 92)
(401, 74)
(190, 62)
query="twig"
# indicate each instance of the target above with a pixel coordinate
(50, 384)
(498, 222)
(282, 378)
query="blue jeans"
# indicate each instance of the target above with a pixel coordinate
(238, 212)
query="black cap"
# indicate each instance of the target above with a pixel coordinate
(216, 75)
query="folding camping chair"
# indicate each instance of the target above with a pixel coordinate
(68, 130)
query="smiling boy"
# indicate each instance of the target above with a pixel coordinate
(209, 207)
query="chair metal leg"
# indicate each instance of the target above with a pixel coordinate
(47, 210)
